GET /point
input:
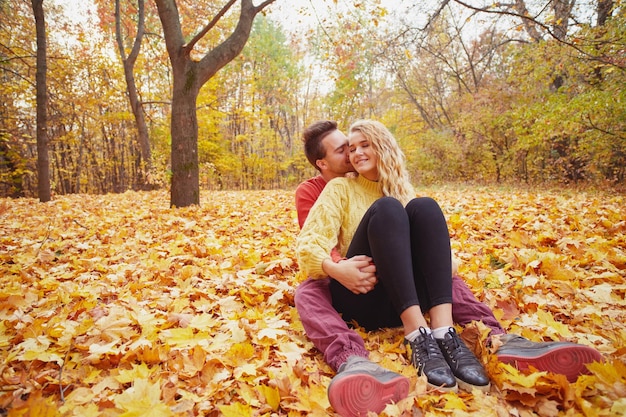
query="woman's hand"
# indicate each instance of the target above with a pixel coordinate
(357, 274)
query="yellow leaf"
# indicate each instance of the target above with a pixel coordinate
(601, 293)
(36, 406)
(184, 338)
(80, 395)
(142, 399)
(556, 328)
(88, 410)
(519, 379)
(619, 407)
(271, 334)
(5, 337)
(240, 353)
(610, 373)
(272, 396)
(203, 322)
(80, 403)
(249, 369)
(140, 371)
(98, 350)
(235, 410)
(453, 402)
(38, 348)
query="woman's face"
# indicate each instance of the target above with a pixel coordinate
(362, 156)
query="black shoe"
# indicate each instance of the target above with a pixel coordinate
(466, 368)
(569, 359)
(426, 356)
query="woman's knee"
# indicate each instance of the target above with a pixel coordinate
(388, 205)
(424, 206)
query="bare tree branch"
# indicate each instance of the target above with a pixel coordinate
(208, 27)
(549, 31)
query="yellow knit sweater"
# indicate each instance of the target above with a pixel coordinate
(333, 220)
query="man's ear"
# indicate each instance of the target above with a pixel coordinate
(321, 164)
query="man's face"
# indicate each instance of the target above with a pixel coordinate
(336, 163)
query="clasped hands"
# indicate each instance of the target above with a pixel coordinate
(357, 274)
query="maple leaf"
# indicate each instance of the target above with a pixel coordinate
(271, 395)
(235, 410)
(184, 337)
(37, 348)
(142, 399)
(291, 351)
(37, 406)
(138, 371)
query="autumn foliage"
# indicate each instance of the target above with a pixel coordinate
(119, 305)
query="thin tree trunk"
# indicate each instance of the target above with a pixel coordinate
(562, 13)
(131, 87)
(43, 161)
(529, 25)
(604, 9)
(81, 151)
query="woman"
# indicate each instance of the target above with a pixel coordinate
(376, 214)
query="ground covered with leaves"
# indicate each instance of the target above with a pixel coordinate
(120, 305)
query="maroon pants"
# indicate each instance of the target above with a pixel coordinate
(337, 341)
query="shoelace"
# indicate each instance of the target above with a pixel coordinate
(424, 347)
(457, 351)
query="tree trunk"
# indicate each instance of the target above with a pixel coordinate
(562, 13)
(131, 87)
(81, 151)
(604, 9)
(185, 188)
(43, 161)
(529, 25)
(189, 76)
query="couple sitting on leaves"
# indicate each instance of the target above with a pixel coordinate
(380, 257)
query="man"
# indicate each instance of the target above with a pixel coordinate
(360, 385)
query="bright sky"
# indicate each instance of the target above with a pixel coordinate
(77, 11)
(293, 14)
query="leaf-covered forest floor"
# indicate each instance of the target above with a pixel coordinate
(119, 305)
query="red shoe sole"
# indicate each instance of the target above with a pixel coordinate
(355, 395)
(566, 360)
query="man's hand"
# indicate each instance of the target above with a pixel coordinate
(358, 274)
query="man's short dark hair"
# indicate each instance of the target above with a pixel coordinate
(312, 138)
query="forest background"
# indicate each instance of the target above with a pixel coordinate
(529, 92)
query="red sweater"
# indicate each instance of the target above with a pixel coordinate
(306, 195)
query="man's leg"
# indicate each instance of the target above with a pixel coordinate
(564, 358)
(360, 385)
(466, 308)
(324, 326)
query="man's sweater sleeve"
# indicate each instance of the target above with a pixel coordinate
(320, 230)
(306, 195)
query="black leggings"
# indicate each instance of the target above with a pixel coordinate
(411, 250)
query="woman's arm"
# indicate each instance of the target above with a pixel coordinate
(319, 232)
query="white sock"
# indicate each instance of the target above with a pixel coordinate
(413, 335)
(441, 332)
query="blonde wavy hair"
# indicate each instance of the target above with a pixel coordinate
(392, 173)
